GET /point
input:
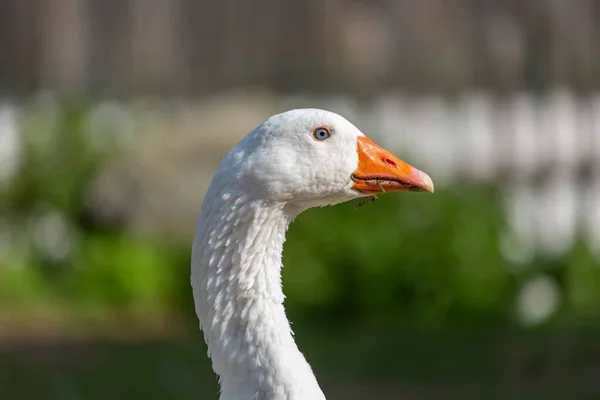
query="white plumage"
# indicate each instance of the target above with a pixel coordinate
(291, 162)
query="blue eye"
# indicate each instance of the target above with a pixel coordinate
(322, 133)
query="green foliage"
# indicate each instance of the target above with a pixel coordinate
(582, 282)
(21, 281)
(120, 270)
(58, 158)
(417, 256)
(421, 258)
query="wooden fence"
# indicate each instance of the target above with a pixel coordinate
(543, 152)
(360, 47)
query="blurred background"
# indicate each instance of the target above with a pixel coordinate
(115, 114)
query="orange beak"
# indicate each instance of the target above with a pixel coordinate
(380, 171)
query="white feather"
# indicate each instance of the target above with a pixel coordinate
(277, 171)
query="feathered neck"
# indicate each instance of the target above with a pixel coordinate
(236, 279)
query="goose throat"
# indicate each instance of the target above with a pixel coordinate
(236, 279)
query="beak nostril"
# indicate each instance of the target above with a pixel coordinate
(389, 162)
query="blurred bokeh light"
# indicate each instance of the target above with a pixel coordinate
(115, 114)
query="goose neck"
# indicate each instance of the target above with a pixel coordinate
(236, 278)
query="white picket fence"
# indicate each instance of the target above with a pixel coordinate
(544, 152)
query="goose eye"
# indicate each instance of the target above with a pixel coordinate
(322, 133)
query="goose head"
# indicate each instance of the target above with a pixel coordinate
(291, 162)
(311, 157)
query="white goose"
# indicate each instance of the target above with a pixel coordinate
(291, 162)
